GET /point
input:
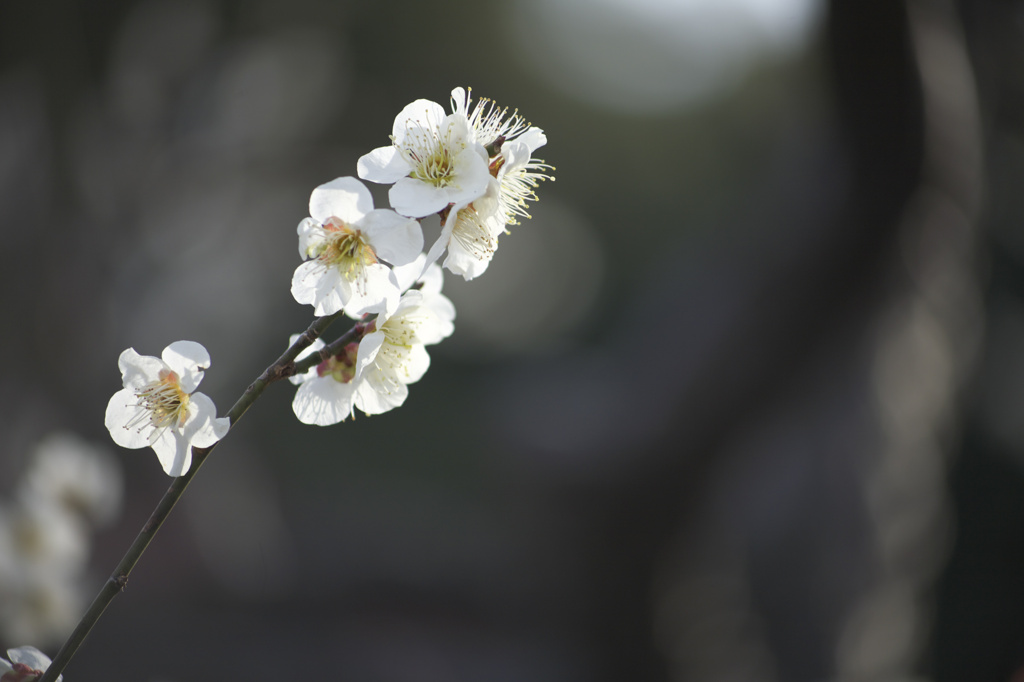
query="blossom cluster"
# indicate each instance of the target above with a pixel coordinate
(473, 167)
(68, 489)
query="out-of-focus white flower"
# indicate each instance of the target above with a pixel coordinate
(40, 608)
(37, 537)
(159, 408)
(27, 664)
(345, 238)
(433, 161)
(76, 476)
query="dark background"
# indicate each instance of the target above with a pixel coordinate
(741, 402)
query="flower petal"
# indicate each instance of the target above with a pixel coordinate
(323, 401)
(122, 409)
(345, 198)
(416, 364)
(311, 235)
(396, 239)
(188, 359)
(376, 396)
(415, 116)
(138, 370)
(204, 428)
(173, 451)
(383, 165)
(375, 291)
(417, 199)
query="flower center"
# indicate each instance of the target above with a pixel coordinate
(163, 403)
(430, 153)
(346, 249)
(340, 367)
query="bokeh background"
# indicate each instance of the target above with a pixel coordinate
(742, 402)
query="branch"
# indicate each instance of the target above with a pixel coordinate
(283, 367)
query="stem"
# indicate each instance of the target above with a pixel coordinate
(334, 348)
(283, 367)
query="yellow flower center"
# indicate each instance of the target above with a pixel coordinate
(346, 249)
(431, 155)
(164, 403)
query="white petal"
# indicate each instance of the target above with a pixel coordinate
(408, 274)
(438, 325)
(306, 352)
(311, 235)
(122, 409)
(188, 359)
(417, 199)
(373, 396)
(323, 401)
(202, 428)
(376, 291)
(462, 262)
(460, 101)
(138, 370)
(394, 238)
(173, 451)
(420, 114)
(432, 279)
(319, 286)
(534, 139)
(384, 165)
(345, 198)
(369, 346)
(416, 365)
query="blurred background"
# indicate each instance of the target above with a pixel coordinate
(742, 401)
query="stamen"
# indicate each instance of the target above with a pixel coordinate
(345, 249)
(472, 234)
(518, 186)
(430, 152)
(162, 403)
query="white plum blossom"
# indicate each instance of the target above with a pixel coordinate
(510, 142)
(433, 161)
(470, 234)
(41, 608)
(518, 174)
(490, 123)
(26, 664)
(392, 355)
(372, 374)
(346, 239)
(159, 408)
(81, 479)
(68, 486)
(37, 537)
(327, 392)
(472, 227)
